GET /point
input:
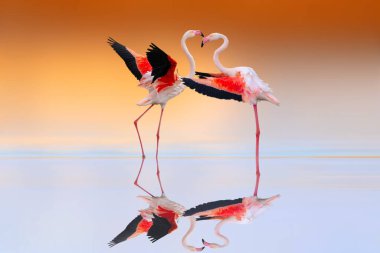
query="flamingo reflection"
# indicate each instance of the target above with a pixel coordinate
(156, 221)
(242, 210)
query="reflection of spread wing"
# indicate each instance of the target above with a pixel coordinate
(127, 232)
(137, 64)
(211, 206)
(210, 87)
(159, 229)
(162, 63)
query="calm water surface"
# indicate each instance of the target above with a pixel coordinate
(79, 205)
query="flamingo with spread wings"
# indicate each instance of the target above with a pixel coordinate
(158, 220)
(240, 83)
(156, 73)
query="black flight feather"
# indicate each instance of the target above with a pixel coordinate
(204, 218)
(211, 205)
(128, 58)
(203, 75)
(210, 91)
(127, 232)
(159, 61)
(159, 229)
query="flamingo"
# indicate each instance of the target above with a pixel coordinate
(239, 83)
(242, 210)
(156, 73)
(158, 220)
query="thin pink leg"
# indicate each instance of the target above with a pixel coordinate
(138, 133)
(138, 176)
(257, 150)
(158, 140)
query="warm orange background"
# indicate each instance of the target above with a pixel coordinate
(62, 86)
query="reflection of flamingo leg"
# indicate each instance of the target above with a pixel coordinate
(257, 150)
(158, 139)
(217, 233)
(138, 133)
(138, 176)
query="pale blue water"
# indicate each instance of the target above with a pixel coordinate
(79, 205)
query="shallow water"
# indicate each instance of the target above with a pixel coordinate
(79, 205)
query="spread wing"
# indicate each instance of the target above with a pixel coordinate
(159, 229)
(127, 232)
(210, 88)
(210, 206)
(162, 64)
(137, 64)
(204, 75)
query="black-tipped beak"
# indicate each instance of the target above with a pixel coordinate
(202, 34)
(203, 241)
(202, 44)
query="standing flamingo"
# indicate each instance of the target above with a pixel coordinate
(241, 210)
(239, 83)
(158, 220)
(156, 73)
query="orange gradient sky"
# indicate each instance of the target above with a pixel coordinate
(62, 86)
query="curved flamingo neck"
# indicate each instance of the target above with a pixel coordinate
(217, 233)
(188, 55)
(218, 51)
(223, 237)
(184, 238)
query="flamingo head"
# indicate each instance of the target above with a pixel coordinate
(212, 245)
(211, 37)
(193, 33)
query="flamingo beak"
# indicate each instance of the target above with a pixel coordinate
(211, 245)
(204, 41)
(202, 34)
